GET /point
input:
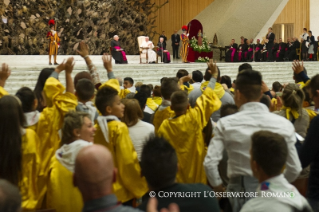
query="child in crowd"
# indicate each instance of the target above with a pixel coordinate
(268, 156)
(157, 95)
(187, 125)
(114, 134)
(20, 163)
(29, 105)
(128, 84)
(85, 93)
(77, 133)
(169, 86)
(151, 106)
(187, 86)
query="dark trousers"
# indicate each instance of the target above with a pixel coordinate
(269, 49)
(175, 51)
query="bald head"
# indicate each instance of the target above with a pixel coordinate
(94, 172)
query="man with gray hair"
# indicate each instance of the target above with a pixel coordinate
(117, 52)
(10, 198)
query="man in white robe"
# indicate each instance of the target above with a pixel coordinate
(151, 54)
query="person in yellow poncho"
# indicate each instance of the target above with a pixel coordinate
(224, 96)
(157, 95)
(184, 131)
(29, 104)
(19, 162)
(186, 85)
(169, 86)
(51, 118)
(114, 134)
(77, 132)
(151, 106)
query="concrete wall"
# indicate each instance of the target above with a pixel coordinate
(314, 17)
(234, 18)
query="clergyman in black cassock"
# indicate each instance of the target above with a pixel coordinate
(117, 52)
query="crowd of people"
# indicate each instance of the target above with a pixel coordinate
(113, 146)
(270, 49)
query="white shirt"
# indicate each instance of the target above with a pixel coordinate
(234, 134)
(132, 89)
(139, 134)
(276, 185)
(304, 36)
(197, 85)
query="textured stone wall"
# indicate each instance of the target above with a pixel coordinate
(94, 21)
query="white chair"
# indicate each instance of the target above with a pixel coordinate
(140, 40)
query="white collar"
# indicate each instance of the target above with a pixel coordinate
(132, 89)
(253, 106)
(66, 155)
(102, 121)
(91, 109)
(31, 118)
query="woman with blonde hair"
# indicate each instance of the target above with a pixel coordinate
(77, 132)
(139, 130)
(292, 109)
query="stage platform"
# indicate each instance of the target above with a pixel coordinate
(26, 68)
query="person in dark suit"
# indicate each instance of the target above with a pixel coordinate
(175, 38)
(163, 36)
(270, 44)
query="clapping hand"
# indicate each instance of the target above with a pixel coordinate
(69, 65)
(107, 62)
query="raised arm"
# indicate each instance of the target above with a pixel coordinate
(298, 69)
(107, 63)
(208, 102)
(84, 52)
(69, 65)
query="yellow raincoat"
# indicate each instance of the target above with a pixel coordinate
(185, 134)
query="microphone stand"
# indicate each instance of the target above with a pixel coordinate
(254, 53)
(162, 52)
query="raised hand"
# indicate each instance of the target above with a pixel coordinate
(107, 62)
(69, 65)
(60, 67)
(297, 67)
(213, 70)
(83, 50)
(5, 72)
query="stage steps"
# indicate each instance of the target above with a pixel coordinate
(25, 70)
